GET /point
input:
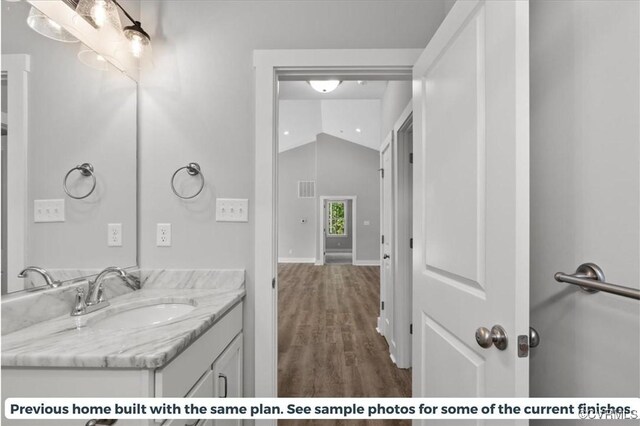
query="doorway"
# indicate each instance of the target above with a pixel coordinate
(328, 214)
(396, 162)
(271, 67)
(338, 229)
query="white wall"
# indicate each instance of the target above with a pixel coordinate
(339, 167)
(585, 203)
(346, 168)
(395, 100)
(197, 105)
(296, 239)
(76, 115)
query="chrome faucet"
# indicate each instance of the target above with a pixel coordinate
(46, 275)
(94, 299)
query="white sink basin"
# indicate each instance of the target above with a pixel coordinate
(143, 316)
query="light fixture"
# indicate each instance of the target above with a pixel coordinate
(47, 27)
(139, 40)
(358, 130)
(95, 60)
(286, 133)
(324, 86)
(99, 13)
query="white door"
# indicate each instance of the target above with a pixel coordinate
(387, 254)
(471, 202)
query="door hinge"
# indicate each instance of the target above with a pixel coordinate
(381, 173)
(411, 158)
(410, 328)
(411, 243)
(382, 305)
(382, 239)
(273, 283)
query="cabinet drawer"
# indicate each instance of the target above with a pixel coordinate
(178, 377)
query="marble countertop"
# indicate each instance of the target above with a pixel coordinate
(68, 341)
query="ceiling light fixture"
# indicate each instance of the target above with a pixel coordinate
(47, 27)
(286, 133)
(358, 130)
(324, 86)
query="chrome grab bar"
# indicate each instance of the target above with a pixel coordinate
(590, 278)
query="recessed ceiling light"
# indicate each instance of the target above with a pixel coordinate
(324, 86)
(358, 130)
(286, 133)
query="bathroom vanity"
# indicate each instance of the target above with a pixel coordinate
(156, 342)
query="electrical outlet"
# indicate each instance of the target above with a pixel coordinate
(163, 235)
(48, 211)
(232, 210)
(114, 235)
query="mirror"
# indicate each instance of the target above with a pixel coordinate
(59, 114)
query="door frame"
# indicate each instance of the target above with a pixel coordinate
(17, 67)
(402, 233)
(381, 326)
(270, 67)
(321, 237)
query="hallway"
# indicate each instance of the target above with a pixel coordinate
(327, 342)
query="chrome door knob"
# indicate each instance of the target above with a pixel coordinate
(496, 336)
(534, 337)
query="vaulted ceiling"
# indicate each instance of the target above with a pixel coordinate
(351, 112)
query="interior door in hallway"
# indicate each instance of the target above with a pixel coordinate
(388, 296)
(471, 204)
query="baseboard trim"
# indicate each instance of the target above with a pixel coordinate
(366, 262)
(296, 260)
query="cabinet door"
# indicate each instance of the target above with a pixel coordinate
(203, 389)
(227, 372)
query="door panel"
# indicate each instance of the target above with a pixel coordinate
(471, 202)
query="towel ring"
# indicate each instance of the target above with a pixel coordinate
(85, 169)
(194, 170)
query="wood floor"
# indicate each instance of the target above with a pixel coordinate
(327, 342)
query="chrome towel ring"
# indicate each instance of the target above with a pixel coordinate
(194, 170)
(85, 169)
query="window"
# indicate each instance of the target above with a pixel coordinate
(337, 218)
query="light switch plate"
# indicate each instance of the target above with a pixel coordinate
(114, 235)
(48, 211)
(232, 210)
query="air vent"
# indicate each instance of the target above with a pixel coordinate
(306, 189)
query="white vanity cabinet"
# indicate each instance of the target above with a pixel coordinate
(199, 371)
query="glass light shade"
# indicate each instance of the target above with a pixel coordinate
(324, 86)
(45, 26)
(94, 60)
(138, 46)
(99, 13)
(139, 43)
